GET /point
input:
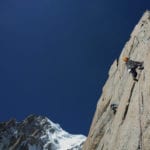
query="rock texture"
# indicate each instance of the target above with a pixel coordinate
(129, 128)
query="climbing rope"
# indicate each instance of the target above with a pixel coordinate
(140, 120)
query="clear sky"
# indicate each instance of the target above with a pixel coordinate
(55, 56)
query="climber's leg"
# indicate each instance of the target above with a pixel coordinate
(134, 74)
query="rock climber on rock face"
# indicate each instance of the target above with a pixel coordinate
(114, 107)
(132, 66)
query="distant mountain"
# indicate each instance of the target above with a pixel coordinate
(126, 127)
(37, 133)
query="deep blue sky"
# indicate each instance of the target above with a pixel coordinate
(55, 55)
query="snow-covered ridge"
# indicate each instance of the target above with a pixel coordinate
(37, 133)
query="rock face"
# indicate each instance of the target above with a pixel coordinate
(129, 128)
(37, 133)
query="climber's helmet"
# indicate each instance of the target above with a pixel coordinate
(113, 106)
(125, 59)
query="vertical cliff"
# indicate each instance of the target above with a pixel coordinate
(129, 128)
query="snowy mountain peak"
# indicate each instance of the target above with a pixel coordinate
(37, 133)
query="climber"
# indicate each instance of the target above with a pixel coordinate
(132, 66)
(114, 107)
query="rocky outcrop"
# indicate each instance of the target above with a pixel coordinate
(129, 128)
